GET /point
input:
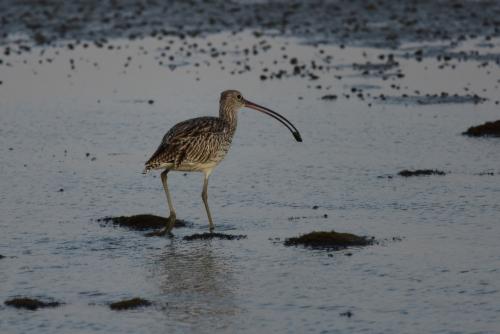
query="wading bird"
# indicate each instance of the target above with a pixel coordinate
(199, 144)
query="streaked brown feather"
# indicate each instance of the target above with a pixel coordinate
(197, 141)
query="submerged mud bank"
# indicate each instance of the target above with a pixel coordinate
(329, 240)
(488, 129)
(30, 303)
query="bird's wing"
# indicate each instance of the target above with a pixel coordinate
(194, 140)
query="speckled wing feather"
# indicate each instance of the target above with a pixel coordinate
(198, 140)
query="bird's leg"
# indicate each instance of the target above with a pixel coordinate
(204, 196)
(171, 217)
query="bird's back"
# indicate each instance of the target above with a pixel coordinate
(195, 144)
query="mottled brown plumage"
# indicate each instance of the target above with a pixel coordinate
(200, 144)
(192, 144)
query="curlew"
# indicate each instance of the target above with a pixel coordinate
(200, 144)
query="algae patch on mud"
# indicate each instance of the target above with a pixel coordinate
(329, 240)
(420, 172)
(443, 98)
(207, 236)
(488, 129)
(30, 304)
(141, 222)
(129, 304)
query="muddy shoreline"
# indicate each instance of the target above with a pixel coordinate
(381, 24)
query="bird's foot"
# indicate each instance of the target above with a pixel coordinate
(166, 231)
(160, 233)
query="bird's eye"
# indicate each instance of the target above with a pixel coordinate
(239, 97)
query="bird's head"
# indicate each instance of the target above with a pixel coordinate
(233, 100)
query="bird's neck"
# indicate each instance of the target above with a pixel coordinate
(230, 115)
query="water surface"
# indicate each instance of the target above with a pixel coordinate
(73, 146)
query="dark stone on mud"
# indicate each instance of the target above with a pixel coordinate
(129, 304)
(488, 129)
(141, 222)
(330, 240)
(29, 303)
(206, 236)
(420, 172)
(1, 256)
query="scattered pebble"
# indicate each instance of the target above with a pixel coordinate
(346, 314)
(486, 173)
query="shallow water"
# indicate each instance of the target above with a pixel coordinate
(73, 147)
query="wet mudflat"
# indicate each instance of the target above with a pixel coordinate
(77, 122)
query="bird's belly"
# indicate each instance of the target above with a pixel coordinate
(195, 166)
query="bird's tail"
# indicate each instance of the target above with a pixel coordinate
(146, 169)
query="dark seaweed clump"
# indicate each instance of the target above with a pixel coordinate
(329, 240)
(129, 304)
(429, 99)
(420, 172)
(488, 129)
(141, 222)
(330, 97)
(29, 303)
(206, 236)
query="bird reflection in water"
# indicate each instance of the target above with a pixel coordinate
(198, 284)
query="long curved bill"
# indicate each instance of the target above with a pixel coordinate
(277, 116)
